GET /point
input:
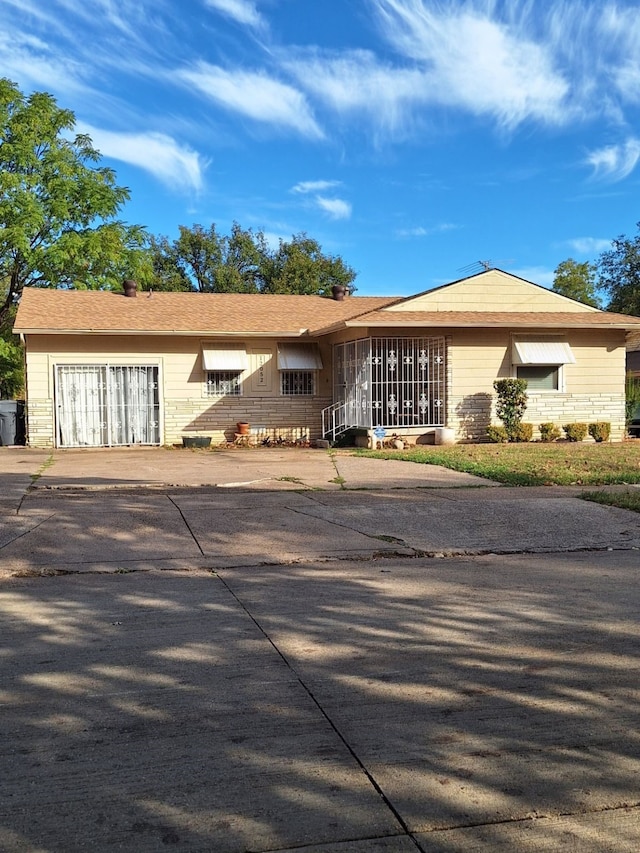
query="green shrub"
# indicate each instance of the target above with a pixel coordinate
(549, 432)
(522, 432)
(497, 434)
(600, 431)
(575, 432)
(511, 404)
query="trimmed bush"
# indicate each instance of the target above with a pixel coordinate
(549, 432)
(497, 434)
(511, 403)
(575, 432)
(522, 432)
(600, 431)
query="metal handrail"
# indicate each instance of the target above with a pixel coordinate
(334, 420)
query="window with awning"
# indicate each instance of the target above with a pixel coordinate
(542, 352)
(298, 364)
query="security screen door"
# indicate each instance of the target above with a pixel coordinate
(391, 382)
(107, 405)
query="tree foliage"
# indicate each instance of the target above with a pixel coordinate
(299, 266)
(619, 271)
(203, 260)
(577, 281)
(58, 206)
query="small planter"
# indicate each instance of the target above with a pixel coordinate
(243, 428)
(196, 441)
(445, 436)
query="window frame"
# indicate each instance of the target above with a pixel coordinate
(289, 375)
(223, 373)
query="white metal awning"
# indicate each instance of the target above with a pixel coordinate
(299, 357)
(227, 357)
(542, 352)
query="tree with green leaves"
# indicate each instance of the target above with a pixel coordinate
(203, 260)
(300, 266)
(577, 281)
(58, 206)
(619, 271)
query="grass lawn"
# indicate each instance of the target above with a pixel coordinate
(624, 500)
(534, 464)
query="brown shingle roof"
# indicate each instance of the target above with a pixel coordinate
(58, 311)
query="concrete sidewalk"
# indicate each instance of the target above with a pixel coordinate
(248, 468)
(252, 651)
(380, 706)
(109, 511)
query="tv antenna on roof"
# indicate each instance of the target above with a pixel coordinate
(477, 266)
(484, 266)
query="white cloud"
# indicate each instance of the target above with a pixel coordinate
(314, 186)
(157, 153)
(421, 231)
(242, 11)
(356, 82)
(614, 162)
(477, 62)
(31, 63)
(336, 208)
(589, 245)
(254, 95)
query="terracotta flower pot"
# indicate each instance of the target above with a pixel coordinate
(243, 428)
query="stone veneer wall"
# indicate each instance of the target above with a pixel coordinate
(474, 413)
(40, 423)
(276, 417)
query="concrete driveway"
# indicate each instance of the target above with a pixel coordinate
(291, 661)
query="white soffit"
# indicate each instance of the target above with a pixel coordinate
(299, 357)
(542, 352)
(224, 358)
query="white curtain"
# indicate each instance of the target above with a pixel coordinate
(101, 405)
(133, 405)
(81, 400)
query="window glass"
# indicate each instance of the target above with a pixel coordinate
(540, 377)
(296, 383)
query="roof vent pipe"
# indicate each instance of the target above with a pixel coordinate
(130, 287)
(338, 291)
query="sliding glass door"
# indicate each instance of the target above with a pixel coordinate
(102, 405)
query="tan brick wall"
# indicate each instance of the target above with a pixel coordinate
(474, 413)
(40, 423)
(283, 417)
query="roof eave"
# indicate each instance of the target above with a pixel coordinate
(486, 324)
(187, 333)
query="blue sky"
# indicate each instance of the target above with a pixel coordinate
(415, 138)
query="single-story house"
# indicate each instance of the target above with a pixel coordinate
(107, 369)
